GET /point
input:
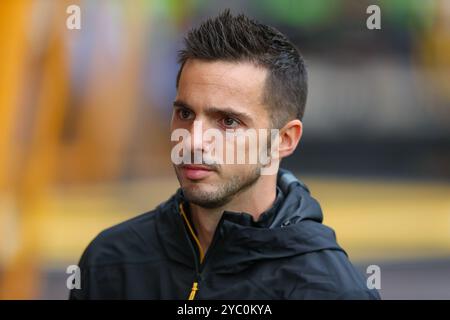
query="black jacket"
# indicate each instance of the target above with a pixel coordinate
(287, 254)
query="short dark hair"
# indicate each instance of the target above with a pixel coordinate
(239, 38)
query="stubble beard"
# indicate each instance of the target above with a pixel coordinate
(224, 193)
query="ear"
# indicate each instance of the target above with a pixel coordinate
(290, 136)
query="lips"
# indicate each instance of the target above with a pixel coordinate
(196, 172)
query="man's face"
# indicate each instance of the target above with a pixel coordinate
(222, 96)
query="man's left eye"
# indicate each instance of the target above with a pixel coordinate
(230, 122)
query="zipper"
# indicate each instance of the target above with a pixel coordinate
(191, 230)
(193, 290)
(199, 267)
(196, 258)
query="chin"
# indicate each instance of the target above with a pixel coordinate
(197, 188)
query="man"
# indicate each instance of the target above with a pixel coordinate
(231, 231)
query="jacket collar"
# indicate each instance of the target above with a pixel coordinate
(292, 226)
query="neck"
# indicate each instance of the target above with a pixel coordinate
(254, 201)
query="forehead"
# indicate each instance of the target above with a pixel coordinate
(221, 83)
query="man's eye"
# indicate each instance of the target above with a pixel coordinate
(185, 114)
(230, 123)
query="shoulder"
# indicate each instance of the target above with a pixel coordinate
(331, 275)
(348, 281)
(113, 251)
(125, 242)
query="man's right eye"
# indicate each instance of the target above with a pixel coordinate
(184, 114)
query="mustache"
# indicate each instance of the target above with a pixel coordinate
(209, 163)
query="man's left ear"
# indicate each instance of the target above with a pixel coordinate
(290, 136)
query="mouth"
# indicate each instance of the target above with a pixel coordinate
(195, 172)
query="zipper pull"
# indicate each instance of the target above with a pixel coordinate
(193, 291)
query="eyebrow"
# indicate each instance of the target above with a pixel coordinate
(224, 110)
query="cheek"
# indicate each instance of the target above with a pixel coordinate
(235, 145)
(175, 124)
(230, 171)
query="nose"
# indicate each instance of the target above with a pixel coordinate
(197, 136)
(198, 144)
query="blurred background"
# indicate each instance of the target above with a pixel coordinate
(84, 129)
